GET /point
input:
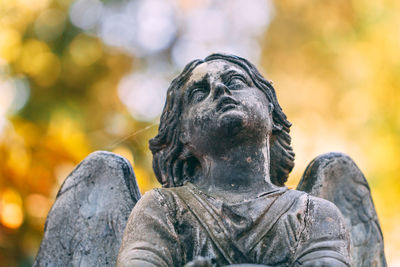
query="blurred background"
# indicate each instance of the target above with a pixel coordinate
(79, 76)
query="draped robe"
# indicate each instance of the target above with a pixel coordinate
(173, 226)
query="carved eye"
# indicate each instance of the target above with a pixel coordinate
(236, 82)
(197, 94)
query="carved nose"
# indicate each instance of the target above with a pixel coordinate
(221, 89)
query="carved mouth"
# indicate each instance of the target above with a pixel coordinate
(227, 107)
(226, 103)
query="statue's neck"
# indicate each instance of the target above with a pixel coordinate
(242, 172)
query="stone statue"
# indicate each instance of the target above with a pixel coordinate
(222, 155)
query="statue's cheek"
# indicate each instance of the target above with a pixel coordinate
(201, 118)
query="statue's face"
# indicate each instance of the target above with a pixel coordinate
(222, 105)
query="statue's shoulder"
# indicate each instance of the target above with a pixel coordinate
(320, 218)
(169, 194)
(323, 213)
(315, 207)
(295, 197)
(175, 193)
(158, 196)
(321, 208)
(164, 199)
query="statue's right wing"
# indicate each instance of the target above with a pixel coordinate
(335, 177)
(86, 223)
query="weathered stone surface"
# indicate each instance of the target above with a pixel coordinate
(335, 177)
(222, 154)
(87, 220)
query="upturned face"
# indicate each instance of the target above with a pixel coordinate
(222, 107)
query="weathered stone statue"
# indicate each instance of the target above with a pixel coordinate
(222, 155)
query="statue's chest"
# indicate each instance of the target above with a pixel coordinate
(244, 226)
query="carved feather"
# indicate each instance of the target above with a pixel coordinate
(86, 223)
(335, 177)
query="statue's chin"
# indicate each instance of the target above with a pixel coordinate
(231, 122)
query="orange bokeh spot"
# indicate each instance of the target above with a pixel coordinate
(12, 216)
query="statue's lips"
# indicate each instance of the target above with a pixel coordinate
(226, 103)
(228, 107)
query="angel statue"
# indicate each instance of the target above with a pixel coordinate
(222, 155)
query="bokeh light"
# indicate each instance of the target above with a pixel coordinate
(143, 95)
(85, 50)
(85, 14)
(50, 24)
(11, 210)
(10, 44)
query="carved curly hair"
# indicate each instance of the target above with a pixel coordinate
(173, 164)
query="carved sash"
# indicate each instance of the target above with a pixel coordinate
(233, 252)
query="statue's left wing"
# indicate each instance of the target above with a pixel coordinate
(335, 177)
(86, 223)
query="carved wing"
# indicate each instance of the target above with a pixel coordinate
(86, 223)
(335, 177)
